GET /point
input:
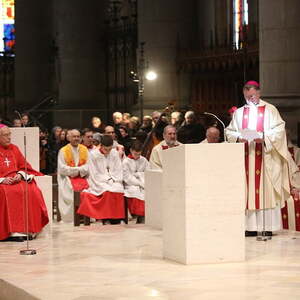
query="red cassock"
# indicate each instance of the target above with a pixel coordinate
(136, 206)
(12, 197)
(108, 205)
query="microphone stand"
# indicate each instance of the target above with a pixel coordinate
(26, 251)
(210, 114)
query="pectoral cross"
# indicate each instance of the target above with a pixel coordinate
(7, 162)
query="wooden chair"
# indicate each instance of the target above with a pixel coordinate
(79, 219)
(126, 210)
(55, 208)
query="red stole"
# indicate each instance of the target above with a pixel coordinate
(164, 147)
(258, 151)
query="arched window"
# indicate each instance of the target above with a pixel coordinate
(240, 19)
(7, 25)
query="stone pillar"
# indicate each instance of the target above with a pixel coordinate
(206, 13)
(253, 20)
(34, 56)
(163, 25)
(280, 57)
(60, 52)
(221, 22)
(78, 26)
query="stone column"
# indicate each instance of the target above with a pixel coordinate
(60, 52)
(163, 25)
(78, 27)
(280, 57)
(34, 56)
(206, 21)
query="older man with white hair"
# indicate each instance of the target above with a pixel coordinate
(176, 119)
(170, 140)
(212, 135)
(155, 117)
(72, 171)
(191, 132)
(13, 176)
(118, 119)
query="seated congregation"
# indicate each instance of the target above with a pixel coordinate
(106, 181)
(101, 173)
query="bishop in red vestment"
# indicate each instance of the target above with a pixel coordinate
(12, 191)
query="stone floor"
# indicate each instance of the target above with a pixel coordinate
(125, 262)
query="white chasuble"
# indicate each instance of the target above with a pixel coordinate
(266, 168)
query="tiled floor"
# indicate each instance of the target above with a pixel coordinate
(125, 262)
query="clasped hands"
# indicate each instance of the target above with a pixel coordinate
(11, 180)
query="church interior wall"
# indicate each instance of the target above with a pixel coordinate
(34, 56)
(162, 25)
(60, 53)
(280, 57)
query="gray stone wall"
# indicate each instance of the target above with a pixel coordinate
(280, 57)
(78, 28)
(33, 61)
(59, 52)
(163, 25)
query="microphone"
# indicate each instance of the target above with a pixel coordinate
(210, 114)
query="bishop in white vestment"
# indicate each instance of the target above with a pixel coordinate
(266, 160)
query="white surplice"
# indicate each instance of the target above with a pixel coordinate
(134, 177)
(274, 184)
(65, 190)
(155, 160)
(105, 173)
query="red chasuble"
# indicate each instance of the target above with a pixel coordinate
(12, 197)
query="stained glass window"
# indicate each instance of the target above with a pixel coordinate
(240, 19)
(7, 25)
